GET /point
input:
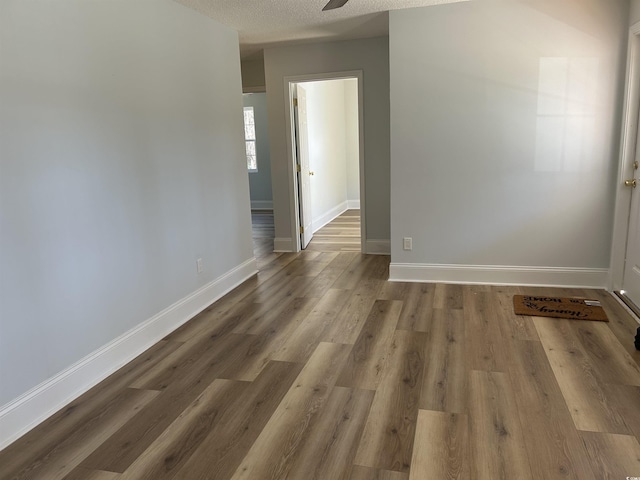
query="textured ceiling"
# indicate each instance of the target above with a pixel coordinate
(263, 23)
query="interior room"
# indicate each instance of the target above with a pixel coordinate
(345, 239)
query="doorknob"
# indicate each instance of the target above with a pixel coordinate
(631, 183)
(312, 173)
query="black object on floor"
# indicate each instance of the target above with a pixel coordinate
(637, 342)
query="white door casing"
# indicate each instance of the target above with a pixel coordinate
(631, 279)
(624, 251)
(304, 176)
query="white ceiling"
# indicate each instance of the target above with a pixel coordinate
(264, 23)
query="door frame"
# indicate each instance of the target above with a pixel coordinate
(627, 155)
(294, 205)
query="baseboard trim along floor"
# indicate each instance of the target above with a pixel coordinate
(35, 406)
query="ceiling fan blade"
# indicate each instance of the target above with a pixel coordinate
(334, 4)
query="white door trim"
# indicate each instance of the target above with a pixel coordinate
(291, 169)
(627, 154)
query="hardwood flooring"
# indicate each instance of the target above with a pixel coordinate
(318, 368)
(263, 231)
(342, 234)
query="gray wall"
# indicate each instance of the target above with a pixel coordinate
(253, 72)
(504, 131)
(121, 162)
(372, 57)
(260, 181)
(634, 16)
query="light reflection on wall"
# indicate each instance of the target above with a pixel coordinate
(566, 136)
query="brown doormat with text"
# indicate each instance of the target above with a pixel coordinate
(560, 307)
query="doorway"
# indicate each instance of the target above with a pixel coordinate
(325, 127)
(626, 244)
(256, 136)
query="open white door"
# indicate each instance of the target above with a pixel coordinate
(304, 176)
(631, 281)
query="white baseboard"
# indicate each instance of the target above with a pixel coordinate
(327, 217)
(261, 205)
(284, 245)
(30, 409)
(353, 204)
(499, 275)
(378, 247)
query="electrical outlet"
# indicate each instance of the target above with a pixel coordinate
(199, 265)
(407, 243)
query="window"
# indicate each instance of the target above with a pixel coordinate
(250, 139)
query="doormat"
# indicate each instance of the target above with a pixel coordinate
(560, 307)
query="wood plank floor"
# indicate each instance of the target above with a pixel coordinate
(318, 368)
(263, 231)
(342, 234)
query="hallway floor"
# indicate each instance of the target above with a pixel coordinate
(342, 234)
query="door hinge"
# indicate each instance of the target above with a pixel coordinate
(298, 168)
(301, 229)
(295, 102)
